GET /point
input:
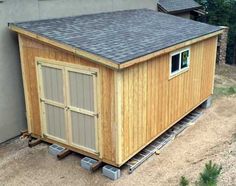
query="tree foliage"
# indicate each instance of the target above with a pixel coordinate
(210, 175)
(222, 13)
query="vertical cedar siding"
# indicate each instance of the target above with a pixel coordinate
(31, 49)
(150, 101)
(153, 102)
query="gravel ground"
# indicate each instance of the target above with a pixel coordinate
(213, 137)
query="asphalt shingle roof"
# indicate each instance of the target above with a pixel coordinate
(120, 36)
(178, 5)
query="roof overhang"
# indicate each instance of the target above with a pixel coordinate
(196, 8)
(185, 10)
(162, 8)
(107, 62)
(76, 51)
(200, 11)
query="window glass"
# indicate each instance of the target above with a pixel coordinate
(175, 63)
(184, 59)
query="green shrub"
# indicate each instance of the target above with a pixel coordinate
(183, 181)
(209, 175)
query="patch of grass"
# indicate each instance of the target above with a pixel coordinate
(224, 91)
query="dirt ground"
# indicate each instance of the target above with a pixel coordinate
(213, 137)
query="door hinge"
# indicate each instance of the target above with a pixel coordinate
(41, 100)
(94, 73)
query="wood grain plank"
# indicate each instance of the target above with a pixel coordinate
(33, 49)
(167, 100)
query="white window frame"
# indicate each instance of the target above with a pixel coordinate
(180, 71)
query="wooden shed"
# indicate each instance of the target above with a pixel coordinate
(106, 85)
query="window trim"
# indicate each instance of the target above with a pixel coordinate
(180, 71)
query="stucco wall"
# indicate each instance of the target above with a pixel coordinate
(12, 108)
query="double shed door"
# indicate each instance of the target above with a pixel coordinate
(68, 105)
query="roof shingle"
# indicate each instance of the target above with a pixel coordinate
(178, 5)
(120, 36)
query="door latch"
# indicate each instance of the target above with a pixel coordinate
(96, 115)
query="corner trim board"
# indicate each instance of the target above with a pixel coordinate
(26, 94)
(119, 114)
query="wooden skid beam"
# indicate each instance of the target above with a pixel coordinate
(33, 143)
(24, 134)
(96, 166)
(63, 154)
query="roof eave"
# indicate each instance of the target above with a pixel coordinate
(200, 11)
(184, 10)
(162, 8)
(104, 61)
(76, 51)
(170, 49)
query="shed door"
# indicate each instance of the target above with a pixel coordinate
(53, 102)
(82, 108)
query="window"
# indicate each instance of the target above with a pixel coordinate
(175, 63)
(179, 61)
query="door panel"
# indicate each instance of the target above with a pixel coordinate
(82, 109)
(83, 130)
(81, 91)
(53, 102)
(52, 84)
(55, 119)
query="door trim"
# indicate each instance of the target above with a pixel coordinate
(77, 68)
(65, 64)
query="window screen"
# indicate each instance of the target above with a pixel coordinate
(175, 63)
(184, 59)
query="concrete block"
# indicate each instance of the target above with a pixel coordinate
(207, 103)
(87, 163)
(111, 172)
(55, 149)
